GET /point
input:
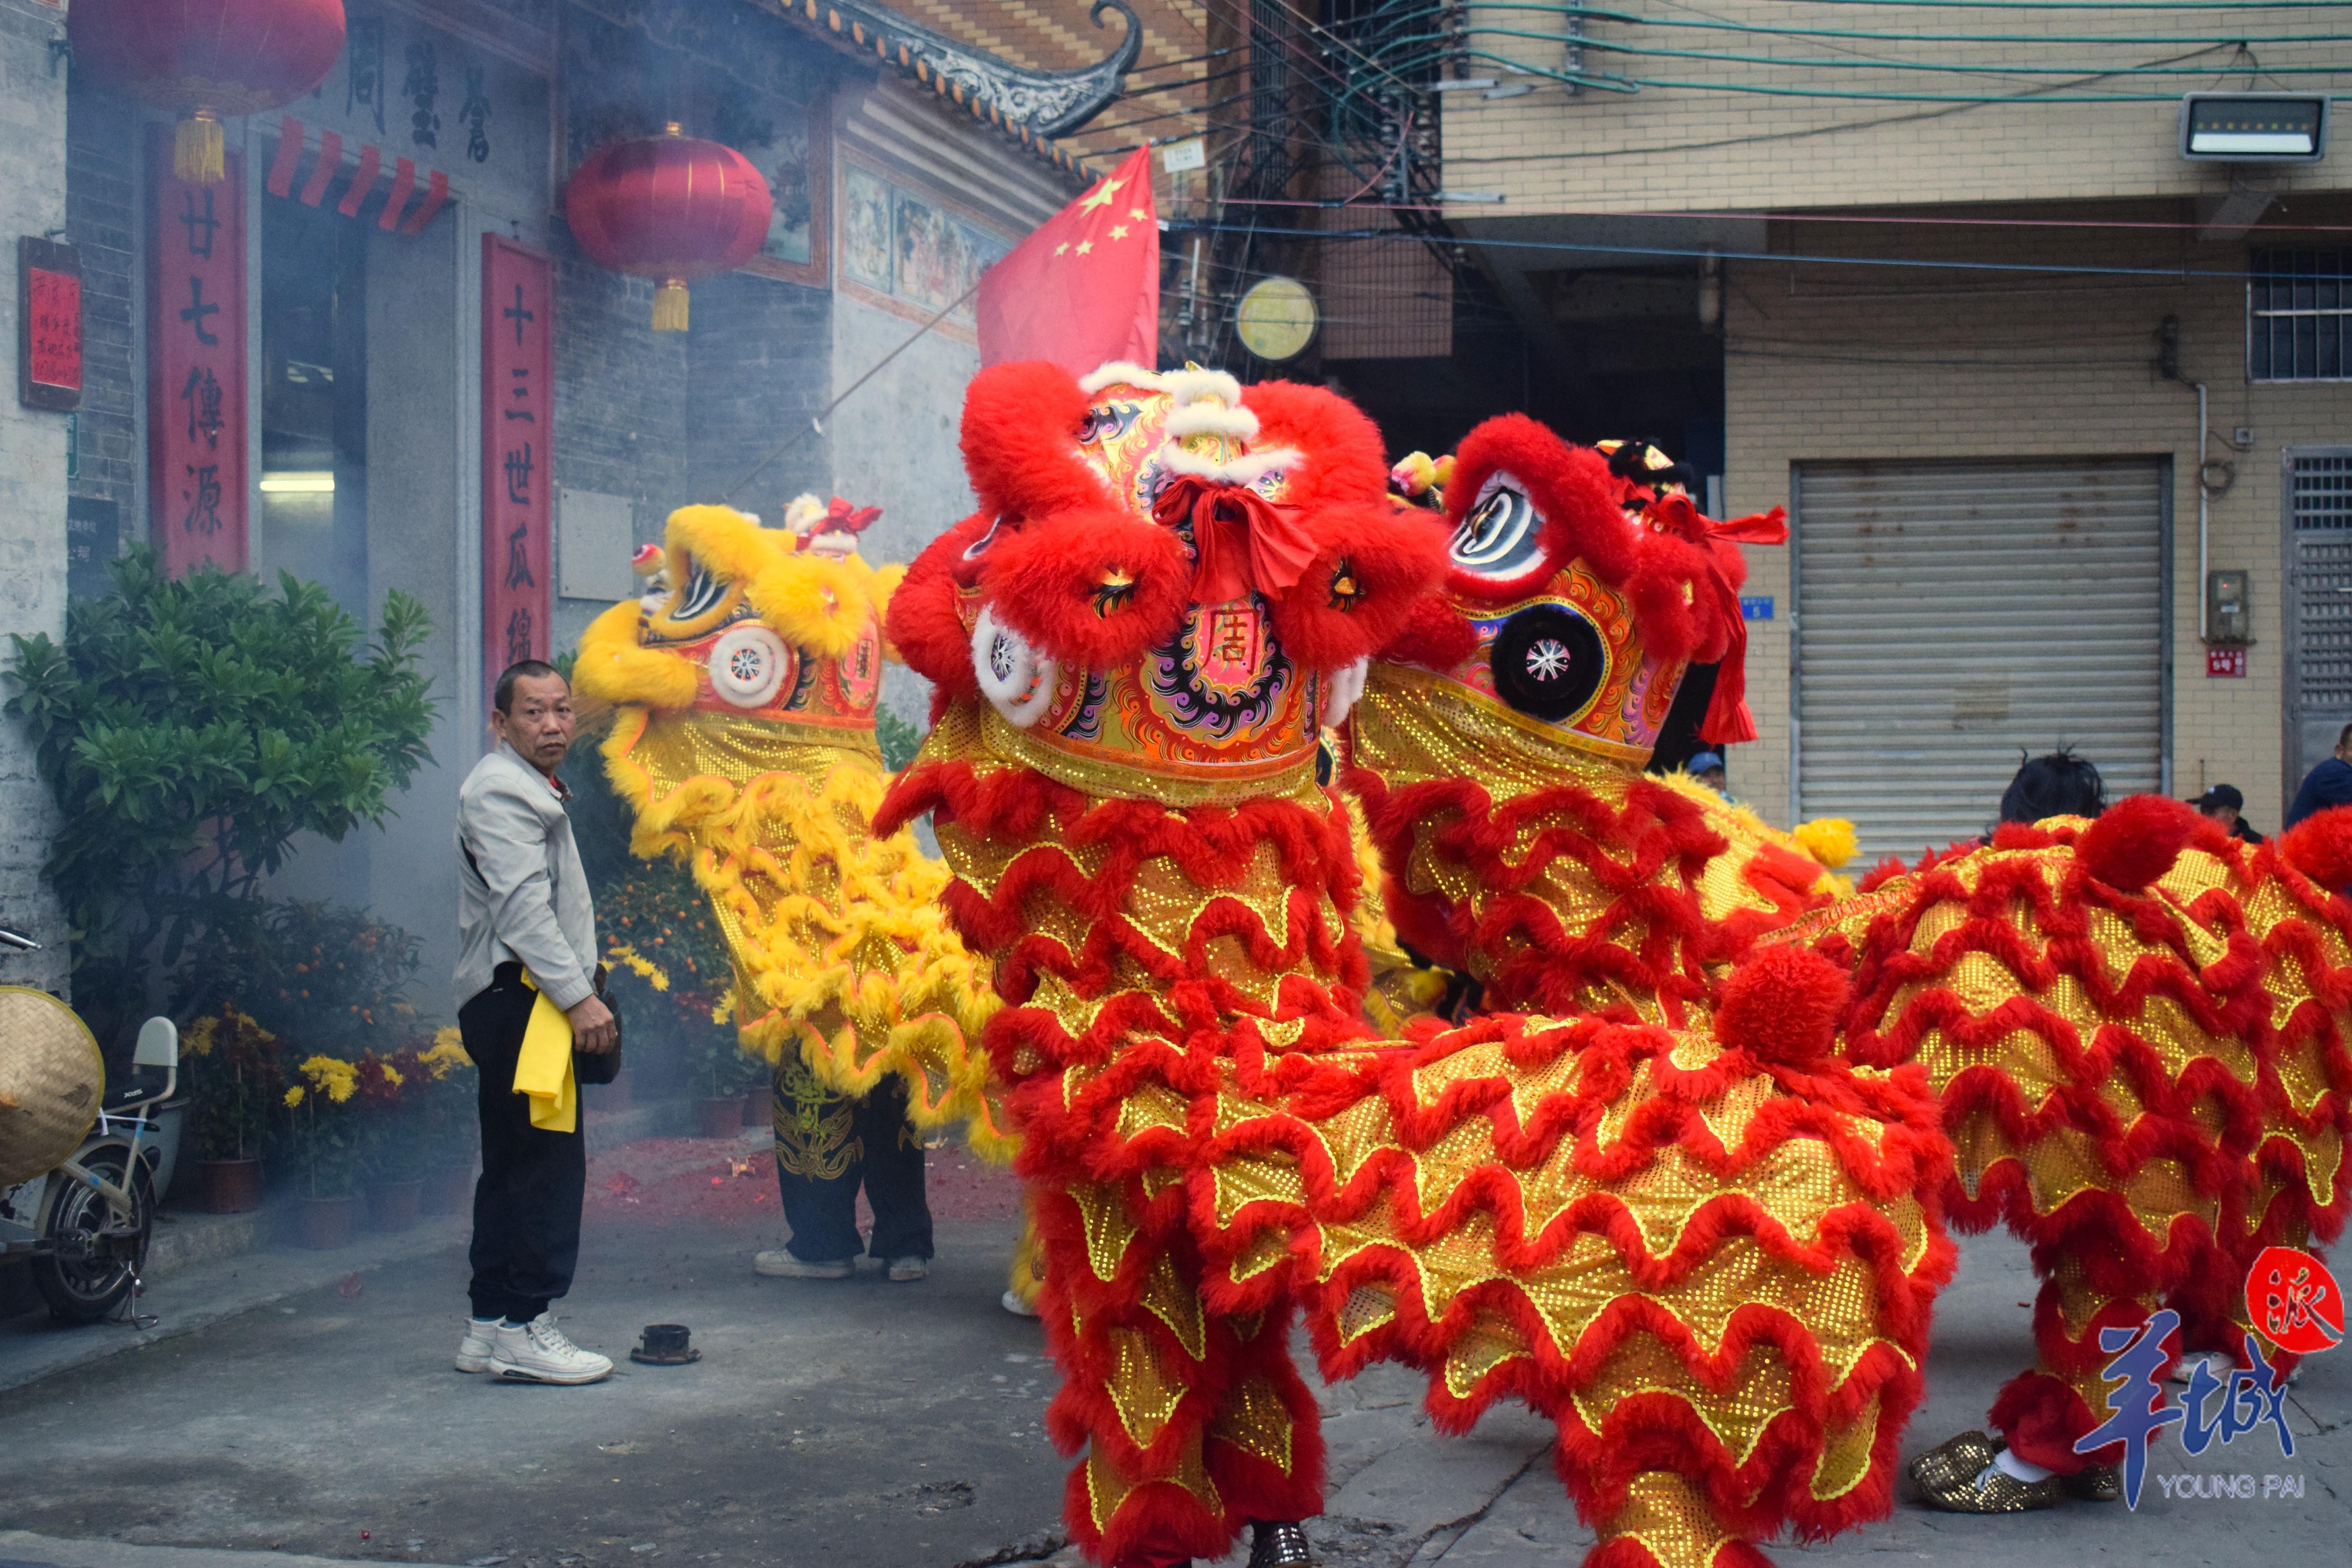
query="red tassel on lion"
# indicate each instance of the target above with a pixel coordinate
(1694, 1239)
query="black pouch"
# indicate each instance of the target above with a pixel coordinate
(605, 1067)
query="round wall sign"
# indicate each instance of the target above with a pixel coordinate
(1276, 320)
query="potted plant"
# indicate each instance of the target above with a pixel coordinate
(392, 1155)
(442, 1114)
(323, 1135)
(236, 1072)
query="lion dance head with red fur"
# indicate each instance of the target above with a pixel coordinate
(1219, 564)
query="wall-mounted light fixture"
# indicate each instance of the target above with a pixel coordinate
(2254, 128)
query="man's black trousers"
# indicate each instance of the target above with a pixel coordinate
(527, 1202)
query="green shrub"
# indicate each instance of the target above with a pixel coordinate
(191, 728)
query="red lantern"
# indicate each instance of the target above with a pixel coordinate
(207, 59)
(669, 207)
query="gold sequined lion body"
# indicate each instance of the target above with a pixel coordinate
(1698, 1250)
(744, 744)
(2136, 1028)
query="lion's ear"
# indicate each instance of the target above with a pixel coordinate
(1020, 441)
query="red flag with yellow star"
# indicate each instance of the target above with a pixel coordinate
(1085, 288)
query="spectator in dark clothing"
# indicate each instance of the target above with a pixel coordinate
(2225, 804)
(2329, 784)
(2057, 784)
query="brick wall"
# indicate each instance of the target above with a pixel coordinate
(1826, 363)
(761, 362)
(620, 403)
(101, 223)
(1663, 147)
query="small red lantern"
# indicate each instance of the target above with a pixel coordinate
(205, 58)
(669, 207)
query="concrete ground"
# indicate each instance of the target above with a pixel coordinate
(865, 1423)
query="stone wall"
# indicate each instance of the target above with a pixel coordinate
(32, 481)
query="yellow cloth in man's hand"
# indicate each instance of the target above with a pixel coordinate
(544, 1070)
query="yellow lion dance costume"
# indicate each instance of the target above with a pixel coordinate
(746, 687)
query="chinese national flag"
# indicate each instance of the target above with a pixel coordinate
(1085, 288)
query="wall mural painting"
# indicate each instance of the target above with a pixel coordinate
(909, 247)
(865, 229)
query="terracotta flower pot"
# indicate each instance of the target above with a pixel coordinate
(230, 1186)
(326, 1223)
(758, 1106)
(611, 1097)
(722, 1118)
(449, 1190)
(395, 1206)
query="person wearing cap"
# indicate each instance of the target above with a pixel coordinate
(1707, 768)
(2225, 804)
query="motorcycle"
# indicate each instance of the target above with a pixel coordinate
(85, 1222)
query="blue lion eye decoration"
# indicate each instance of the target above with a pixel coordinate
(1503, 536)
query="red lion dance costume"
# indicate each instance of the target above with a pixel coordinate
(1695, 1244)
(2137, 1026)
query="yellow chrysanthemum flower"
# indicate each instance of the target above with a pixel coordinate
(448, 1052)
(628, 957)
(332, 1076)
(293, 1097)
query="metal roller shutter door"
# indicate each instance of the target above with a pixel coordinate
(1949, 615)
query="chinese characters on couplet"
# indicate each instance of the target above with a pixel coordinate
(195, 350)
(516, 468)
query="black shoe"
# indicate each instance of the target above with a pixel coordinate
(1279, 1545)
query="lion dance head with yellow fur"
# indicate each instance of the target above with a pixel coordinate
(746, 682)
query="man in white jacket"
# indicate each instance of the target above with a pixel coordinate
(525, 925)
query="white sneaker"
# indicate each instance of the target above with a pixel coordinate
(903, 1270)
(537, 1351)
(1011, 1302)
(782, 1265)
(474, 1349)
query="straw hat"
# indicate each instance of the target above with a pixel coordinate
(51, 1080)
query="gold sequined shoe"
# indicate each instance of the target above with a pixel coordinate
(2095, 1483)
(1955, 1462)
(1959, 1476)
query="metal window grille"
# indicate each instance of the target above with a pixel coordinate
(2299, 316)
(2322, 499)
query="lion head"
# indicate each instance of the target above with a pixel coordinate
(1172, 583)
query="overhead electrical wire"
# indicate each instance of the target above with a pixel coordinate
(1592, 14)
(1606, 46)
(2064, 268)
(2173, 225)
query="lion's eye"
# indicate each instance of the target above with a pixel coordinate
(1104, 423)
(1502, 537)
